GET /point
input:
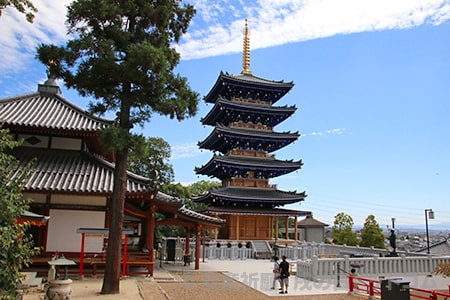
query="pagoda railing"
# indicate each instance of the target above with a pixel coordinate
(251, 126)
(253, 101)
(246, 182)
(251, 153)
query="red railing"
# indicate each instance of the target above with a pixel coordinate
(364, 285)
(427, 294)
(372, 287)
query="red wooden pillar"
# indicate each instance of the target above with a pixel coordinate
(83, 235)
(188, 235)
(124, 260)
(276, 228)
(287, 228)
(151, 237)
(197, 246)
(295, 229)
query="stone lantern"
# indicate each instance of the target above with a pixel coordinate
(59, 288)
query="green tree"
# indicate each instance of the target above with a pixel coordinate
(23, 6)
(198, 188)
(185, 193)
(150, 155)
(15, 243)
(372, 234)
(123, 54)
(342, 230)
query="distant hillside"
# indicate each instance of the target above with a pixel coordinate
(445, 227)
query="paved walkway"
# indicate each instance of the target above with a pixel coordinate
(256, 274)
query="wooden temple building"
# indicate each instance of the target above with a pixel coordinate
(243, 117)
(72, 183)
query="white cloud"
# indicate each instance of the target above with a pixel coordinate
(217, 26)
(335, 131)
(278, 22)
(185, 151)
(19, 39)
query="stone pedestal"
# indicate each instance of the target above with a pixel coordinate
(59, 289)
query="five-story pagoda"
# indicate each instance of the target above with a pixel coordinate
(244, 117)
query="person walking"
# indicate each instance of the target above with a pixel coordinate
(284, 275)
(276, 271)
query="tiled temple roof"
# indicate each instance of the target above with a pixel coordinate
(73, 172)
(163, 198)
(309, 221)
(48, 110)
(198, 216)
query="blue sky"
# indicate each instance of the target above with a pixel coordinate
(371, 86)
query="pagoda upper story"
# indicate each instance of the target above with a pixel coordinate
(244, 117)
(249, 88)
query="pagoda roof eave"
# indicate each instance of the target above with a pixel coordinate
(277, 139)
(250, 82)
(273, 166)
(250, 195)
(266, 212)
(222, 106)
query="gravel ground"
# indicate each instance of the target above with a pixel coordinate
(214, 285)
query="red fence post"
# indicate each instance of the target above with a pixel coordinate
(371, 289)
(350, 284)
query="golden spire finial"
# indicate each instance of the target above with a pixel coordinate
(246, 53)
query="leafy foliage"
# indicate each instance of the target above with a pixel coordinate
(15, 243)
(342, 232)
(372, 234)
(150, 155)
(23, 6)
(185, 193)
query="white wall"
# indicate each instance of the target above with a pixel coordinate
(63, 225)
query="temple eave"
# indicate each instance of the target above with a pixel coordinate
(262, 212)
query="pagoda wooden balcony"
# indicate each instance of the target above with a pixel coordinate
(250, 153)
(251, 126)
(253, 101)
(248, 182)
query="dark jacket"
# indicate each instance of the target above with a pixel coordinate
(284, 269)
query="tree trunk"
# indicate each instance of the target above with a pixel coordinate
(111, 280)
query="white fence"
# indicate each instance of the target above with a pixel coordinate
(211, 250)
(224, 249)
(311, 262)
(324, 268)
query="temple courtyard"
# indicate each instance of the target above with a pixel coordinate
(224, 279)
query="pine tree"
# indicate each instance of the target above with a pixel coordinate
(123, 55)
(23, 6)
